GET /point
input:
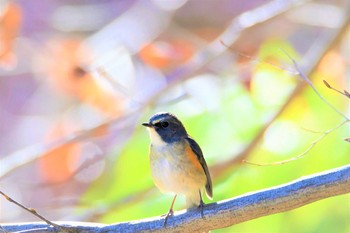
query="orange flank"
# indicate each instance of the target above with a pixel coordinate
(193, 157)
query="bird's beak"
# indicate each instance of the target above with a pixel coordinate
(147, 125)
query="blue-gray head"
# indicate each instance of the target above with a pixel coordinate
(164, 128)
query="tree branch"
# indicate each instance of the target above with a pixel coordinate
(227, 212)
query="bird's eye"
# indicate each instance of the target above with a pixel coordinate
(157, 124)
(164, 124)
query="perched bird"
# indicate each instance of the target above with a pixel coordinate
(177, 162)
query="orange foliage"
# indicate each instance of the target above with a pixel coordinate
(58, 164)
(66, 72)
(166, 54)
(10, 22)
(332, 65)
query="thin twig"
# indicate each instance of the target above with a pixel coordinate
(301, 155)
(308, 81)
(312, 131)
(259, 61)
(34, 212)
(345, 93)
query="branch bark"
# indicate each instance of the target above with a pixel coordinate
(223, 213)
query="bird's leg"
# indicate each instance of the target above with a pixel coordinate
(201, 203)
(171, 211)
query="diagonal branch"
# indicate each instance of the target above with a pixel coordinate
(227, 212)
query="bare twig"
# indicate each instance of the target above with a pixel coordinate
(227, 212)
(344, 93)
(314, 143)
(34, 212)
(258, 61)
(308, 81)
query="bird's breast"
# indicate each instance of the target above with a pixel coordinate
(174, 171)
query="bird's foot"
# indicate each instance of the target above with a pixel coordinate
(201, 205)
(169, 214)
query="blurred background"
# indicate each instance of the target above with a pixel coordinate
(77, 79)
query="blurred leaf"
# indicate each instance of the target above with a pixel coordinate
(332, 66)
(10, 23)
(58, 165)
(69, 77)
(167, 54)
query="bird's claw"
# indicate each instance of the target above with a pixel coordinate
(169, 214)
(201, 205)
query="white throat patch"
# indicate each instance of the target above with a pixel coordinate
(156, 140)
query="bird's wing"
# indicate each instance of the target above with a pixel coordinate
(197, 150)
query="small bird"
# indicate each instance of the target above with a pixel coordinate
(177, 162)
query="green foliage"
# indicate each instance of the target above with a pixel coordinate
(129, 174)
